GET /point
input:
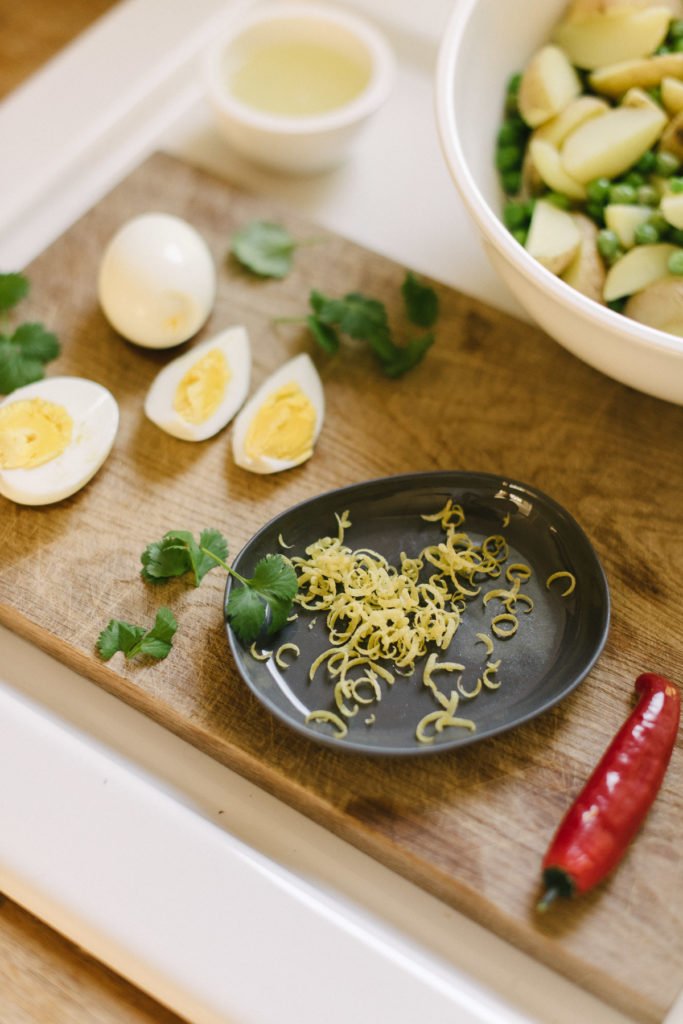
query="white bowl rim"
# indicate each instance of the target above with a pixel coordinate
(368, 100)
(493, 227)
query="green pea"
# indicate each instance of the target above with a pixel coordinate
(515, 215)
(661, 50)
(558, 199)
(675, 236)
(659, 223)
(676, 262)
(597, 190)
(646, 234)
(667, 164)
(622, 193)
(511, 182)
(514, 83)
(676, 29)
(521, 235)
(509, 158)
(617, 305)
(647, 162)
(648, 195)
(655, 93)
(512, 131)
(608, 243)
(676, 184)
(634, 179)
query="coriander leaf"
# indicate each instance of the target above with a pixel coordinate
(36, 342)
(421, 301)
(17, 369)
(163, 559)
(275, 577)
(133, 640)
(246, 613)
(118, 636)
(211, 542)
(404, 358)
(264, 248)
(355, 314)
(13, 288)
(324, 334)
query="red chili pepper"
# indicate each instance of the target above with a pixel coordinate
(610, 808)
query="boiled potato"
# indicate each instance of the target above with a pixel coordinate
(609, 144)
(607, 38)
(672, 136)
(659, 305)
(639, 98)
(672, 94)
(546, 160)
(671, 207)
(623, 220)
(616, 79)
(553, 237)
(583, 8)
(639, 268)
(548, 84)
(575, 113)
(586, 272)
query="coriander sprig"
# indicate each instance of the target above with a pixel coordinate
(133, 640)
(24, 351)
(365, 319)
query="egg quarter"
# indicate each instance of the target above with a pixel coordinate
(278, 427)
(55, 434)
(197, 394)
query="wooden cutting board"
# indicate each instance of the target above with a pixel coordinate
(493, 395)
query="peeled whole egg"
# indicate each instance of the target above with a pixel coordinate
(157, 281)
(198, 393)
(280, 423)
(54, 436)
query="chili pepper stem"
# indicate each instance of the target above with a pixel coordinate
(549, 896)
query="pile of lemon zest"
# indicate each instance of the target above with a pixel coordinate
(528, 601)
(563, 575)
(446, 515)
(328, 716)
(279, 660)
(499, 630)
(368, 680)
(340, 695)
(518, 571)
(485, 639)
(491, 669)
(442, 720)
(259, 655)
(469, 694)
(282, 543)
(504, 596)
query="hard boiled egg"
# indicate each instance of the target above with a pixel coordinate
(199, 392)
(54, 436)
(280, 424)
(157, 281)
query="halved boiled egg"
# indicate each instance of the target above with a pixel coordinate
(157, 281)
(280, 424)
(54, 436)
(194, 396)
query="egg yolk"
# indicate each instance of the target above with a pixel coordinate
(201, 390)
(283, 427)
(32, 432)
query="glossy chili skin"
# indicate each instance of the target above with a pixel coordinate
(610, 808)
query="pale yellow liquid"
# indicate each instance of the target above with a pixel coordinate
(298, 79)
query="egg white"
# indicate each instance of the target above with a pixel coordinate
(157, 281)
(299, 370)
(95, 416)
(234, 344)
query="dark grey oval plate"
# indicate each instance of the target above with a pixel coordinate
(554, 648)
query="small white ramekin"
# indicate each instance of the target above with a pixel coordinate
(296, 145)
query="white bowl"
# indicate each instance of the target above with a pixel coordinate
(485, 42)
(297, 144)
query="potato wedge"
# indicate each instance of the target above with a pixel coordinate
(532, 182)
(659, 305)
(549, 83)
(586, 272)
(672, 94)
(623, 220)
(616, 79)
(583, 8)
(672, 136)
(575, 113)
(553, 237)
(609, 37)
(639, 98)
(671, 208)
(546, 160)
(637, 269)
(609, 144)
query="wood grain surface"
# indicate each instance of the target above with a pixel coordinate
(493, 395)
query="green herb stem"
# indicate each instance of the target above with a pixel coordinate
(224, 565)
